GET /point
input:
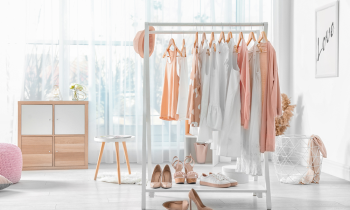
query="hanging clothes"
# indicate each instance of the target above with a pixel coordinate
(243, 63)
(170, 90)
(249, 161)
(214, 115)
(183, 86)
(272, 106)
(222, 66)
(195, 92)
(205, 132)
(230, 134)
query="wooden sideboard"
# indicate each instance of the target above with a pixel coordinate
(53, 134)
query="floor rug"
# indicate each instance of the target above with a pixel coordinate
(112, 177)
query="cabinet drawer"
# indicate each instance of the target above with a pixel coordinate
(37, 151)
(69, 151)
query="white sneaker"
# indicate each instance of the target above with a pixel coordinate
(223, 176)
(212, 180)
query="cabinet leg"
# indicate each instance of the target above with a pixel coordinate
(126, 157)
(118, 161)
(99, 159)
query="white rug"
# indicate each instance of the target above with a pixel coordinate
(112, 177)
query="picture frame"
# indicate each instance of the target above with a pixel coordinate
(327, 40)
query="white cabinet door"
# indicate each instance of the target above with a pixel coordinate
(36, 120)
(69, 119)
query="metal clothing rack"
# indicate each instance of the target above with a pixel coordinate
(253, 187)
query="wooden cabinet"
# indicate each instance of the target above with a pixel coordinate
(53, 134)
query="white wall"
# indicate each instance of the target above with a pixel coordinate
(323, 105)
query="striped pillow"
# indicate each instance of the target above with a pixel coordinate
(4, 183)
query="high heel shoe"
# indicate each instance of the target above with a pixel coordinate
(176, 205)
(191, 176)
(179, 175)
(155, 181)
(195, 198)
(166, 178)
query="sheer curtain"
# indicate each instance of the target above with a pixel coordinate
(59, 42)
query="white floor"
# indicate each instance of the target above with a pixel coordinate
(76, 189)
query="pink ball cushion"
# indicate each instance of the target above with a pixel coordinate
(10, 162)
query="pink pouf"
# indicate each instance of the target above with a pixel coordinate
(10, 162)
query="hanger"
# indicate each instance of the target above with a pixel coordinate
(183, 46)
(171, 42)
(212, 37)
(203, 38)
(222, 36)
(239, 40)
(262, 36)
(196, 41)
(229, 36)
(251, 36)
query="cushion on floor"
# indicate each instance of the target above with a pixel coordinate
(4, 183)
(10, 162)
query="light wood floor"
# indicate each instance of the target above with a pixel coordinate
(76, 189)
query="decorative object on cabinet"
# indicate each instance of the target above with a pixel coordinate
(53, 134)
(55, 94)
(113, 139)
(10, 162)
(282, 122)
(327, 40)
(201, 152)
(4, 183)
(292, 159)
(189, 148)
(79, 92)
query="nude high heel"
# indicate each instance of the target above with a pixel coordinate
(195, 198)
(166, 178)
(155, 181)
(191, 176)
(179, 175)
(176, 205)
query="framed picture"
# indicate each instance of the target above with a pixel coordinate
(327, 40)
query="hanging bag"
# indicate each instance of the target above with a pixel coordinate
(201, 152)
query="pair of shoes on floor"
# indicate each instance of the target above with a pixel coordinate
(217, 180)
(161, 178)
(183, 205)
(190, 176)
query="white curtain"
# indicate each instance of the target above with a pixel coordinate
(59, 42)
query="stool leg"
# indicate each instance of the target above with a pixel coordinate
(118, 162)
(99, 159)
(126, 157)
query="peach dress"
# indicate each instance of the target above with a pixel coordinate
(170, 90)
(272, 106)
(195, 92)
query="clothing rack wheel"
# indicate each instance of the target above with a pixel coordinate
(255, 187)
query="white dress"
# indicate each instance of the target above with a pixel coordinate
(250, 160)
(214, 115)
(183, 87)
(230, 134)
(205, 132)
(222, 66)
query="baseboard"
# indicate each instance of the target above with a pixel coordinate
(336, 169)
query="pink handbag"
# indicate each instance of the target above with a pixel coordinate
(201, 152)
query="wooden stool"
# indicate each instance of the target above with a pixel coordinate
(104, 140)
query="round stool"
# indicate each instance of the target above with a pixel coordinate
(110, 139)
(10, 162)
(240, 177)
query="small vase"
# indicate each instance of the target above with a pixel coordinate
(75, 96)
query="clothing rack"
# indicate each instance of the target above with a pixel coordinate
(256, 188)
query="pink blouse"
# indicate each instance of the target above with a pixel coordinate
(243, 64)
(272, 106)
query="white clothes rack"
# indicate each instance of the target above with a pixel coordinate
(254, 187)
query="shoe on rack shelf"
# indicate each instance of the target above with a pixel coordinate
(179, 175)
(213, 180)
(176, 205)
(232, 181)
(191, 176)
(167, 180)
(156, 177)
(195, 198)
